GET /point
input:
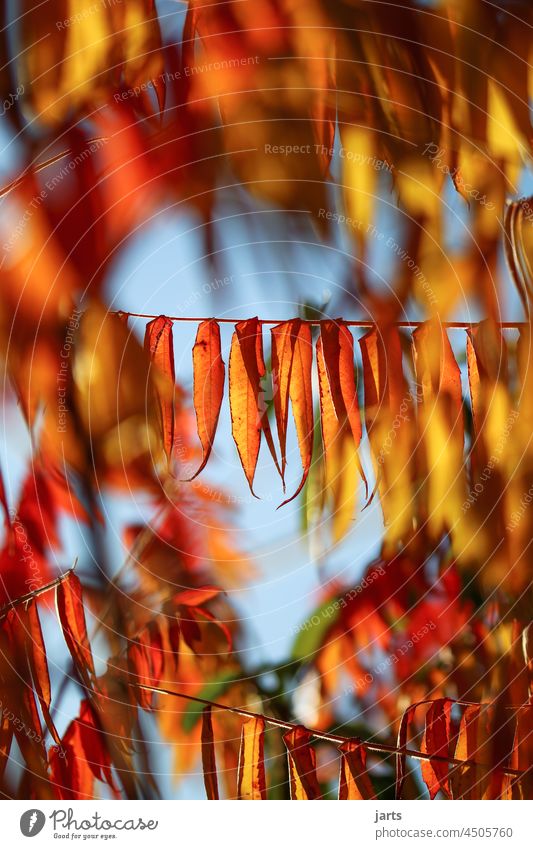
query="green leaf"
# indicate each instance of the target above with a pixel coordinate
(313, 631)
(211, 692)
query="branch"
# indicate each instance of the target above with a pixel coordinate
(380, 748)
(452, 325)
(40, 591)
(34, 169)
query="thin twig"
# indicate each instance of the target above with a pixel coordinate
(40, 591)
(379, 748)
(34, 169)
(452, 325)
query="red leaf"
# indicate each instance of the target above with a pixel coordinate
(93, 743)
(69, 599)
(6, 736)
(39, 667)
(196, 597)
(436, 741)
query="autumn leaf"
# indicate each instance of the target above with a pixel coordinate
(71, 612)
(340, 448)
(337, 350)
(6, 736)
(146, 660)
(158, 343)
(441, 426)
(466, 781)
(292, 364)
(283, 342)
(209, 373)
(302, 764)
(354, 781)
(249, 416)
(401, 758)
(209, 763)
(93, 744)
(389, 424)
(436, 741)
(251, 782)
(39, 666)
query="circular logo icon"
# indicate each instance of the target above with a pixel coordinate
(32, 822)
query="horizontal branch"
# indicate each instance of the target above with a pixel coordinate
(452, 325)
(378, 748)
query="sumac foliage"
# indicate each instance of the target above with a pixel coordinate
(378, 412)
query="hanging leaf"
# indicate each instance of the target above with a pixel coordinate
(39, 666)
(401, 757)
(354, 780)
(300, 390)
(251, 781)
(302, 764)
(340, 449)
(436, 741)
(209, 372)
(158, 343)
(441, 427)
(93, 743)
(283, 342)
(389, 423)
(466, 781)
(6, 736)
(17, 694)
(71, 612)
(249, 415)
(209, 763)
(3, 500)
(146, 660)
(337, 349)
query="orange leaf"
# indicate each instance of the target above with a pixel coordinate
(403, 732)
(441, 426)
(248, 409)
(209, 763)
(337, 350)
(69, 600)
(283, 342)
(354, 781)
(209, 371)
(436, 741)
(251, 782)
(158, 343)
(300, 394)
(388, 408)
(302, 764)
(39, 667)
